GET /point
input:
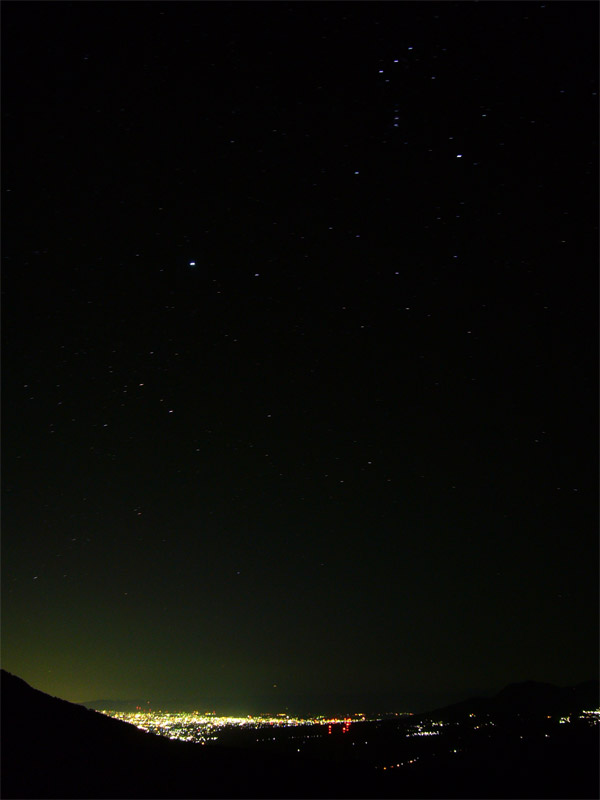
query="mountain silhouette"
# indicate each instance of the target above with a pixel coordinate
(534, 697)
(528, 699)
(55, 749)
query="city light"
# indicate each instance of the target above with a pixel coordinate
(205, 727)
(208, 727)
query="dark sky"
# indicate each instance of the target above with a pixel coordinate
(300, 350)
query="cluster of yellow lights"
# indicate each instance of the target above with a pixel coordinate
(197, 727)
(425, 729)
(201, 728)
(593, 717)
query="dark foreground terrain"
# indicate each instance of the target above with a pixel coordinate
(510, 746)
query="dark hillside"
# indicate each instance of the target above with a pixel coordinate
(512, 745)
(55, 749)
(529, 699)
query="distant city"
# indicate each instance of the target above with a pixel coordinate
(205, 727)
(530, 740)
(312, 733)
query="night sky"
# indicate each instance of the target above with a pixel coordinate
(299, 351)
